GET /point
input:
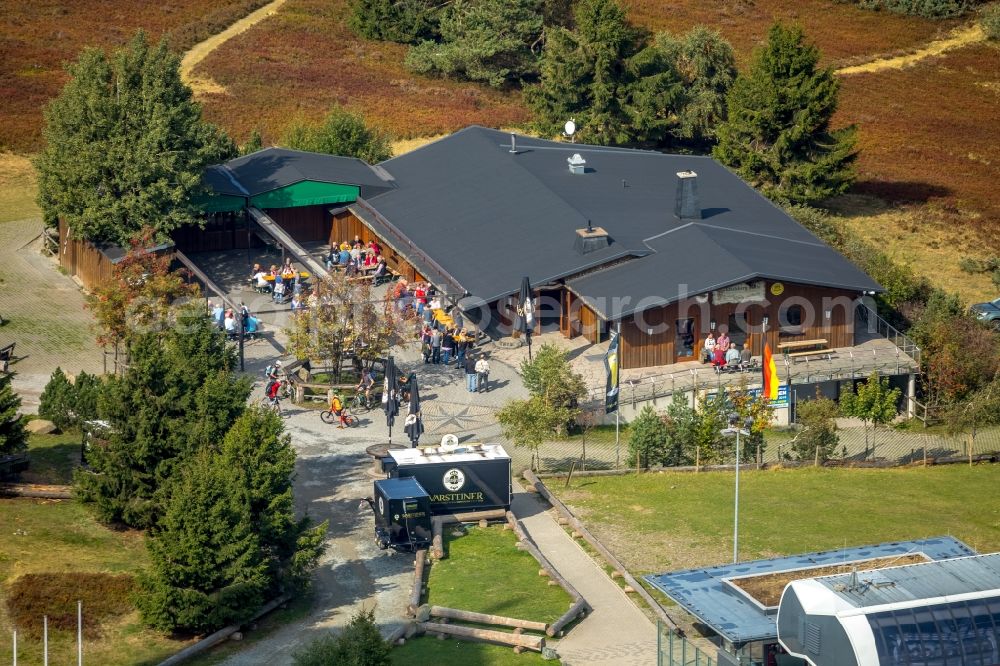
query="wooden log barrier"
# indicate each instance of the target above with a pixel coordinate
(501, 637)
(36, 490)
(527, 544)
(483, 618)
(579, 607)
(419, 560)
(438, 523)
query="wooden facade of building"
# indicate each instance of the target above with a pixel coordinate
(82, 259)
(345, 226)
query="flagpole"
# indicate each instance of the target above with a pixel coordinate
(618, 404)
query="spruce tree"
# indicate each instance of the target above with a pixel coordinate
(125, 146)
(260, 456)
(778, 136)
(13, 436)
(492, 43)
(57, 402)
(178, 396)
(207, 569)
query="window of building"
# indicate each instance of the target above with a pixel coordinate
(791, 320)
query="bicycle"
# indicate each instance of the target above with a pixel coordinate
(361, 403)
(271, 404)
(328, 416)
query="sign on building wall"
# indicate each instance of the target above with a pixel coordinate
(781, 402)
(739, 293)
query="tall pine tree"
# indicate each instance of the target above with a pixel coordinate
(778, 136)
(13, 436)
(178, 395)
(125, 146)
(208, 569)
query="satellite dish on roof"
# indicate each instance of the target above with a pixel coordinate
(570, 127)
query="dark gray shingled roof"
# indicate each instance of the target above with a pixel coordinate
(272, 168)
(490, 217)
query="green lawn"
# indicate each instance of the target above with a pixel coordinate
(666, 521)
(60, 535)
(53, 458)
(485, 573)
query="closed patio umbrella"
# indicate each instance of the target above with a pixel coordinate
(389, 403)
(525, 312)
(414, 422)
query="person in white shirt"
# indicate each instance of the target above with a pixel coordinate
(708, 348)
(483, 374)
(262, 284)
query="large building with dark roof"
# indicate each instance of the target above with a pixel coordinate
(666, 246)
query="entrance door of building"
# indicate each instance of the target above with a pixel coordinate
(686, 339)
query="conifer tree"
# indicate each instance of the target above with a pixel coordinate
(342, 132)
(777, 135)
(208, 569)
(125, 146)
(261, 456)
(13, 436)
(178, 395)
(57, 402)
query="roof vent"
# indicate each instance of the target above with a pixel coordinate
(577, 164)
(687, 206)
(591, 239)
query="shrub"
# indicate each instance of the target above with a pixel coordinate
(342, 132)
(13, 436)
(819, 430)
(990, 21)
(58, 400)
(359, 644)
(647, 439)
(924, 8)
(32, 596)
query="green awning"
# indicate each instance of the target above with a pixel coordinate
(306, 193)
(220, 203)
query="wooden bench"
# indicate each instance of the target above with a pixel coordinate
(803, 345)
(6, 356)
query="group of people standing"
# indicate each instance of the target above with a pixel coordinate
(440, 344)
(226, 319)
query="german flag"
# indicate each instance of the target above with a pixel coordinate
(770, 375)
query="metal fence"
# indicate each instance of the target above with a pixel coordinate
(856, 444)
(672, 649)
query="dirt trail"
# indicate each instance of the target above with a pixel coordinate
(959, 37)
(198, 52)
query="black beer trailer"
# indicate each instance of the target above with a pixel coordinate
(402, 515)
(473, 477)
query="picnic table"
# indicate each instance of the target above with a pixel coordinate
(302, 275)
(444, 318)
(797, 348)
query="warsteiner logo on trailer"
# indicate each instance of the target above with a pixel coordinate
(468, 477)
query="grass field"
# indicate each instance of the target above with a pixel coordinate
(53, 458)
(41, 536)
(843, 32)
(485, 573)
(669, 521)
(304, 59)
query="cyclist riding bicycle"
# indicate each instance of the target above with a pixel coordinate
(366, 384)
(271, 372)
(337, 407)
(272, 391)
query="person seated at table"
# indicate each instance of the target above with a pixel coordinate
(732, 356)
(356, 254)
(230, 324)
(380, 272)
(274, 270)
(254, 271)
(746, 358)
(718, 356)
(287, 269)
(263, 285)
(374, 247)
(371, 260)
(332, 258)
(723, 339)
(345, 255)
(351, 268)
(708, 348)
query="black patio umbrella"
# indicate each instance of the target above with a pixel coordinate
(389, 403)
(525, 312)
(414, 421)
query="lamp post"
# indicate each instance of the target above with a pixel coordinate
(745, 431)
